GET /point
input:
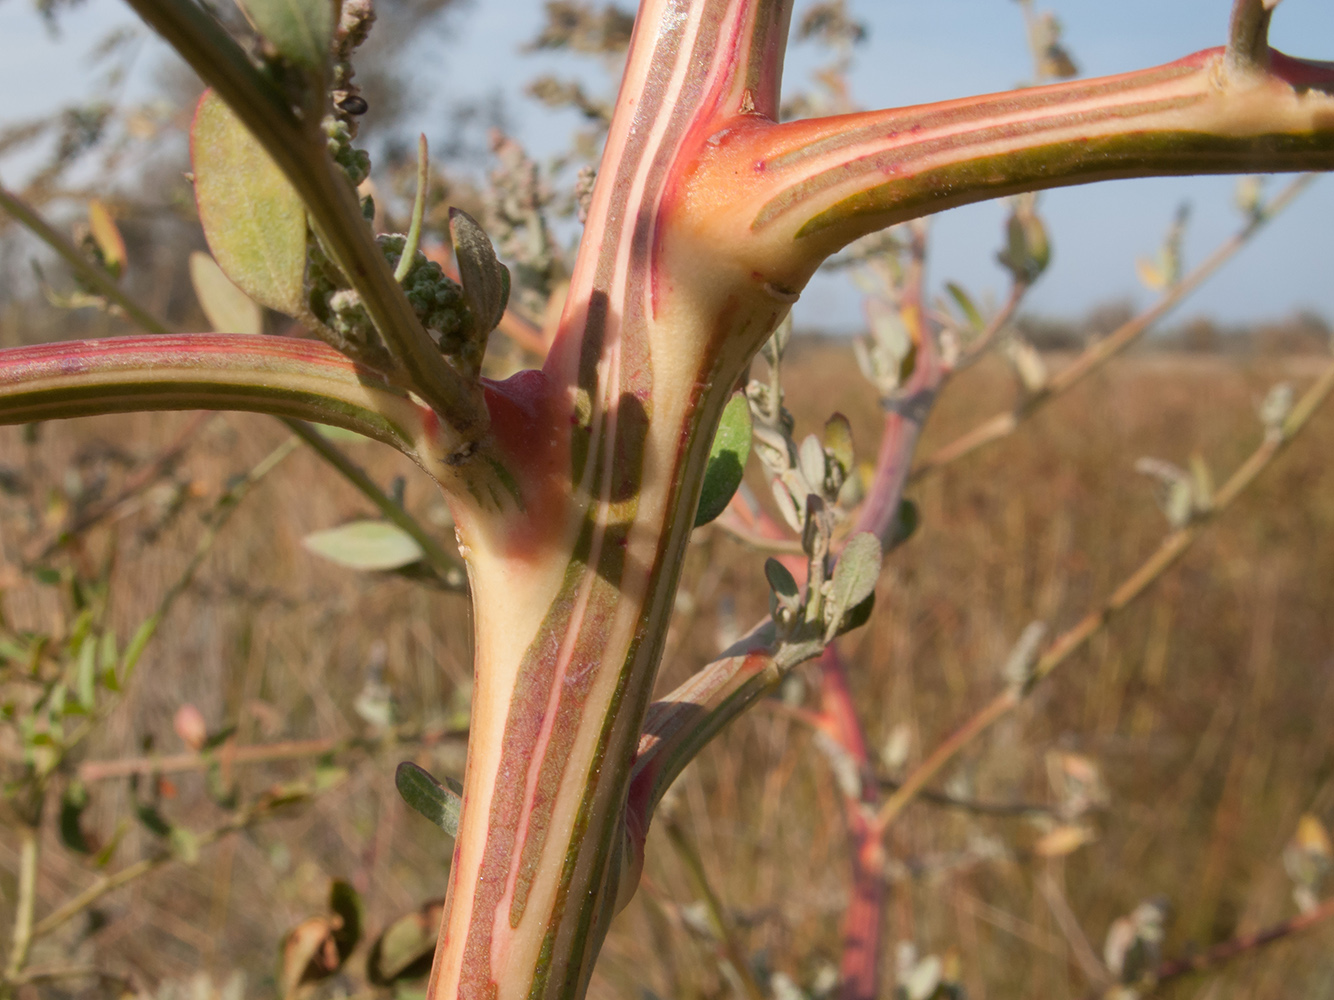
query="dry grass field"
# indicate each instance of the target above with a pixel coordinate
(1207, 705)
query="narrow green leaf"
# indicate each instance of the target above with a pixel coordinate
(485, 281)
(301, 31)
(138, 643)
(367, 545)
(727, 460)
(439, 803)
(228, 309)
(966, 306)
(252, 217)
(855, 575)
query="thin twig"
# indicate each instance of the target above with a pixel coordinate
(1005, 423)
(24, 906)
(1169, 551)
(718, 920)
(258, 753)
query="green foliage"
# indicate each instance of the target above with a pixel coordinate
(254, 221)
(727, 460)
(440, 803)
(365, 545)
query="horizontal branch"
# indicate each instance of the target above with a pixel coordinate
(303, 379)
(802, 190)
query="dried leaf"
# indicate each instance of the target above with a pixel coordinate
(1062, 841)
(228, 309)
(309, 954)
(838, 443)
(107, 237)
(366, 545)
(441, 804)
(727, 460)
(252, 217)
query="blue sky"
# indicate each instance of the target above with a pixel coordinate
(916, 52)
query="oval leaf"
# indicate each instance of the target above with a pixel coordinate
(855, 575)
(406, 948)
(485, 281)
(438, 803)
(229, 310)
(368, 545)
(252, 217)
(727, 460)
(301, 31)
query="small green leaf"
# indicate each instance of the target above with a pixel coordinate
(366, 545)
(906, 520)
(301, 31)
(152, 820)
(855, 575)
(781, 582)
(966, 306)
(485, 281)
(252, 217)
(228, 309)
(439, 803)
(346, 902)
(727, 460)
(72, 805)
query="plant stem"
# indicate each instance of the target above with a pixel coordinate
(24, 906)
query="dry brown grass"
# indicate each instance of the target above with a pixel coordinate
(1206, 705)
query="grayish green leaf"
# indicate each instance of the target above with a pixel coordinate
(855, 576)
(366, 545)
(253, 218)
(441, 804)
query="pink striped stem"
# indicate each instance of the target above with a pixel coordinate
(303, 379)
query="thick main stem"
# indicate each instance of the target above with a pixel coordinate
(573, 597)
